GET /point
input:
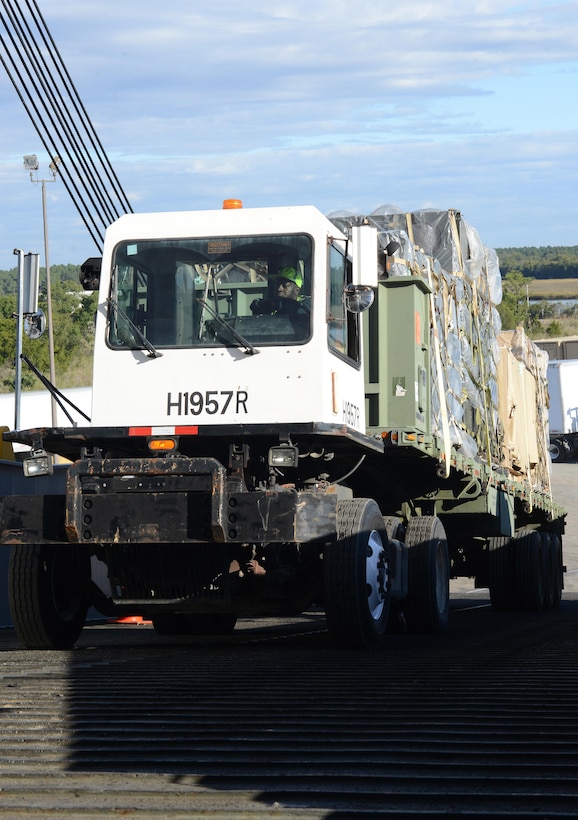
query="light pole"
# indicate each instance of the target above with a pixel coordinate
(18, 367)
(31, 165)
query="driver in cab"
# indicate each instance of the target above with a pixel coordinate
(284, 294)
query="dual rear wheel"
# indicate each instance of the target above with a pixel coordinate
(428, 602)
(357, 583)
(356, 576)
(525, 572)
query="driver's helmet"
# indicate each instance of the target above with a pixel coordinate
(289, 273)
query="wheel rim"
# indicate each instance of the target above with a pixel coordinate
(554, 452)
(375, 575)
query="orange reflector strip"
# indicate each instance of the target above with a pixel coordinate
(165, 430)
(230, 204)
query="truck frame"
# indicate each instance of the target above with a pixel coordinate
(251, 457)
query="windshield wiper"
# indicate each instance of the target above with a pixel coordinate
(138, 335)
(246, 345)
(59, 397)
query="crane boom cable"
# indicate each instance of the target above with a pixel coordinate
(106, 215)
(75, 155)
(79, 107)
(77, 200)
(48, 144)
(59, 117)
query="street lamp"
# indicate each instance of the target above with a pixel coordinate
(31, 165)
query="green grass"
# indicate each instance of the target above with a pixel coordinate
(553, 289)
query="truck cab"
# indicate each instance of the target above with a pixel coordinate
(194, 328)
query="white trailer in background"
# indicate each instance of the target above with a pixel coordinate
(36, 410)
(563, 411)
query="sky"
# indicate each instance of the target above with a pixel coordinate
(345, 106)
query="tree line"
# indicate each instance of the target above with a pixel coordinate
(518, 267)
(550, 262)
(74, 312)
(73, 315)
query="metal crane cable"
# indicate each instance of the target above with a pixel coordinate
(67, 128)
(40, 121)
(68, 134)
(88, 220)
(81, 111)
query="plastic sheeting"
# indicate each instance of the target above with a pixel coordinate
(466, 283)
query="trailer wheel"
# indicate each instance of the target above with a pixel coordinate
(45, 589)
(529, 570)
(501, 573)
(428, 601)
(172, 623)
(356, 576)
(557, 576)
(394, 527)
(548, 571)
(558, 450)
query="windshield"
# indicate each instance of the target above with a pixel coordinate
(213, 291)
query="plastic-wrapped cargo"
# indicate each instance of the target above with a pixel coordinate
(488, 388)
(522, 373)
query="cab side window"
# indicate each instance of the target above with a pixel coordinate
(342, 327)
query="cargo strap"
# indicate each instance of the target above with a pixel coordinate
(446, 439)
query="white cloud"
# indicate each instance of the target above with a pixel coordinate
(461, 104)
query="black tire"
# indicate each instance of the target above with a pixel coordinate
(557, 569)
(529, 570)
(356, 576)
(46, 584)
(394, 527)
(501, 573)
(558, 451)
(428, 602)
(548, 572)
(171, 623)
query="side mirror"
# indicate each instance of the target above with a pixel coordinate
(35, 324)
(358, 298)
(90, 273)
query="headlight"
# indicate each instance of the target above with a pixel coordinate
(283, 456)
(38, 463)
